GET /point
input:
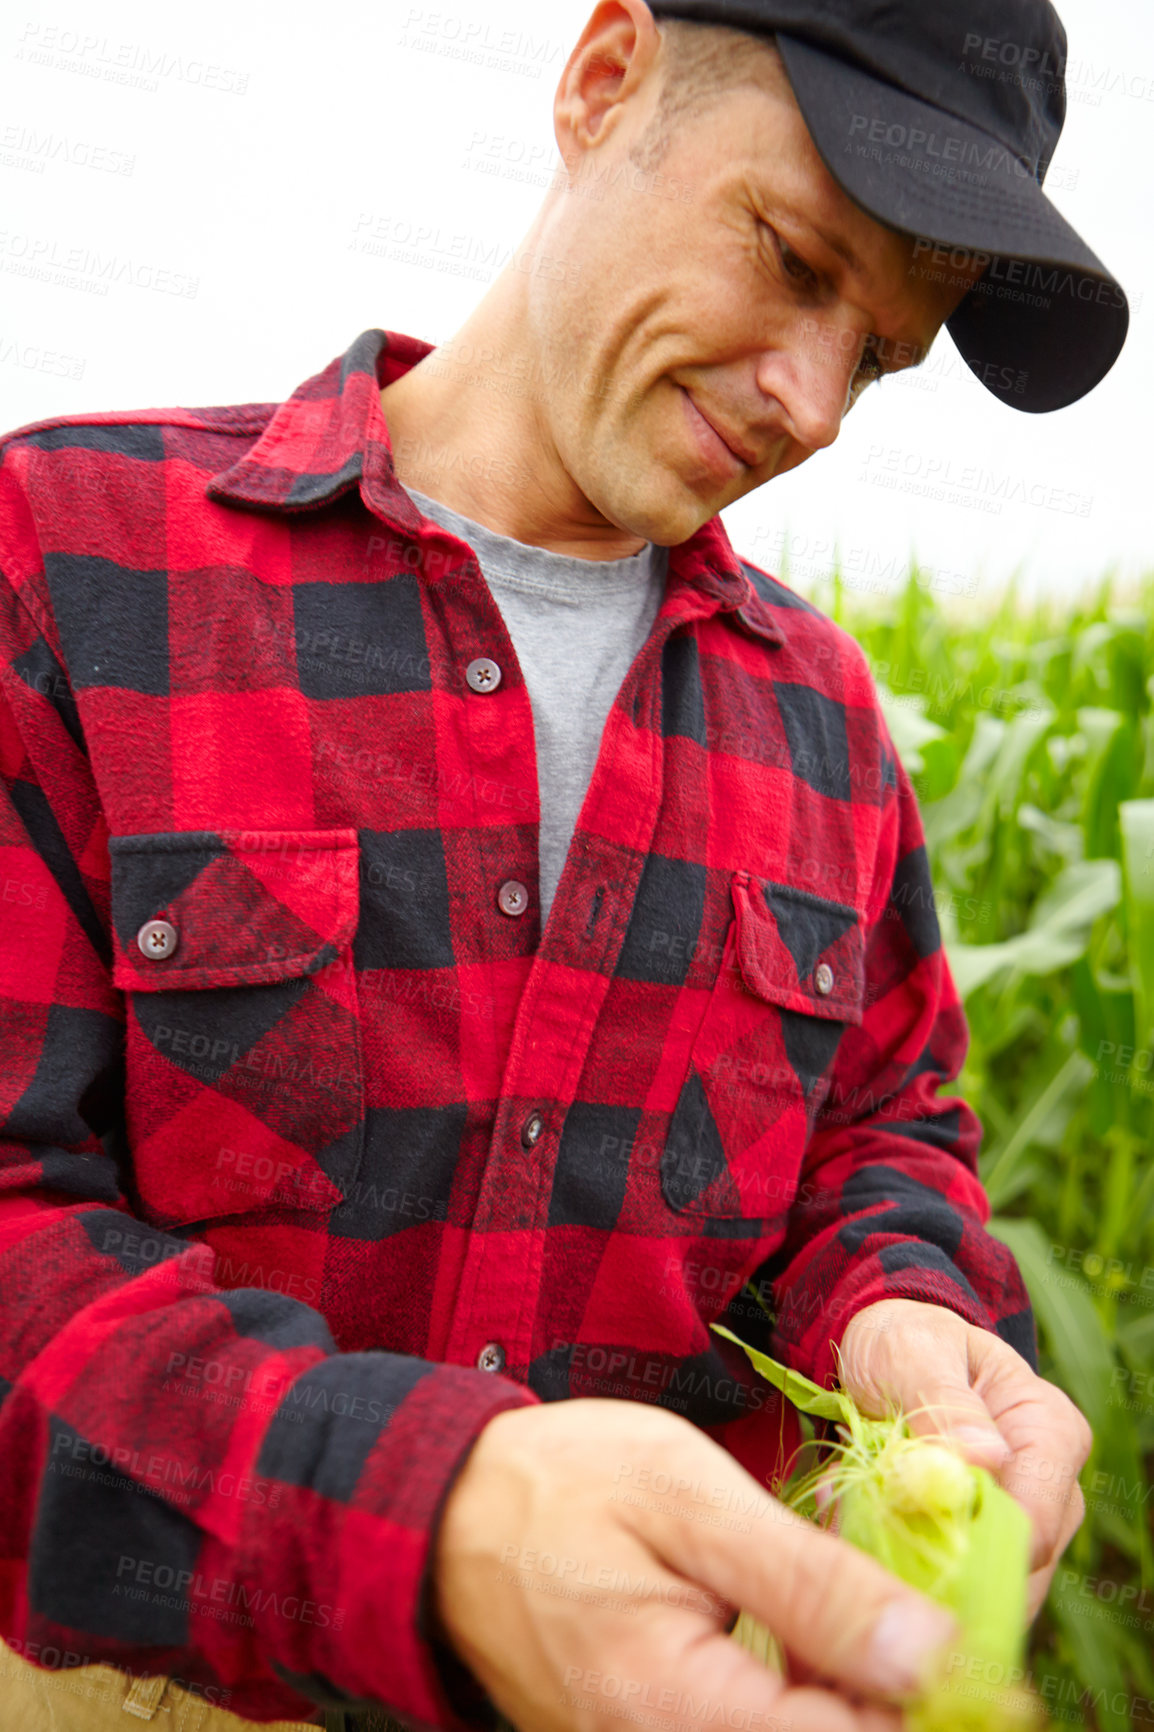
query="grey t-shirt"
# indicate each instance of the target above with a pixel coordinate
(576, 625)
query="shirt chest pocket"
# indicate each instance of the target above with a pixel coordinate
(244, 1085)
(791, 978)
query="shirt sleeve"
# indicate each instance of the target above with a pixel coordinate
(193, 1479)
(889, 1203)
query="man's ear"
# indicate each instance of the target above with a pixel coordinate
(612, 69)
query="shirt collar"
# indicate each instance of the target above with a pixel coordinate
(331, 435)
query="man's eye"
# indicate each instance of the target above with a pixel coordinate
(792, 262)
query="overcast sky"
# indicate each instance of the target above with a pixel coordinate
(194, 201)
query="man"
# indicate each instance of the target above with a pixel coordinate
(425, 1017)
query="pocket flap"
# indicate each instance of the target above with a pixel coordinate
(797, 950)
(245, 907)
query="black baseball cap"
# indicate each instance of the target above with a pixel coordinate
(940, 118)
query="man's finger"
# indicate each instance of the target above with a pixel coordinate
(1055, 1503)
(706, 1677)
(795, 1706)
(1049, 1441)
(676, 1666)
(831, 1605)
(924, 1367)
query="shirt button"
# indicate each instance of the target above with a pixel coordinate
(512, 897)
(531, 1130)
(823, 979)
(491, 1357)
(751, 622)
(157, 939)
(483, 675)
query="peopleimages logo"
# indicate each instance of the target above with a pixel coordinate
(1013, 279)
(942, 147)
(1022, 55)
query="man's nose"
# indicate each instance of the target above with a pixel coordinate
(810, 373)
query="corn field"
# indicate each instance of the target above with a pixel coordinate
(1029, 737)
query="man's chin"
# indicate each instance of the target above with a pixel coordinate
(665, 517)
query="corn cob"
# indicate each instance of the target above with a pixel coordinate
(943, 1526)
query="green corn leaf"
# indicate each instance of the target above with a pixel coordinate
(1136, 1339)
(806, 1396)
(1054, 834)
(1065, 1311)
(1003, 787)
(1059, 931)
(1095, 1645)
(999, 1170)
(909, 728)
(1136, 818)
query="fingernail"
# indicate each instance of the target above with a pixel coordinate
(907, 1640)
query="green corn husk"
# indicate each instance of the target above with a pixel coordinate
(941, 1525)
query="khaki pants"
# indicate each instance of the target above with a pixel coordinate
(101, 1699)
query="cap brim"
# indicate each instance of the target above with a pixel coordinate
(1048, 320)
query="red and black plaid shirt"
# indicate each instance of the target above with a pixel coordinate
(309, 1131)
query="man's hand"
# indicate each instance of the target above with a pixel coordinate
(592, 1554)
(974, 1389)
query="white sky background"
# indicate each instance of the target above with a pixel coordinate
(221, 203)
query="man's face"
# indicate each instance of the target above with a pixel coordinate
(718, 316)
